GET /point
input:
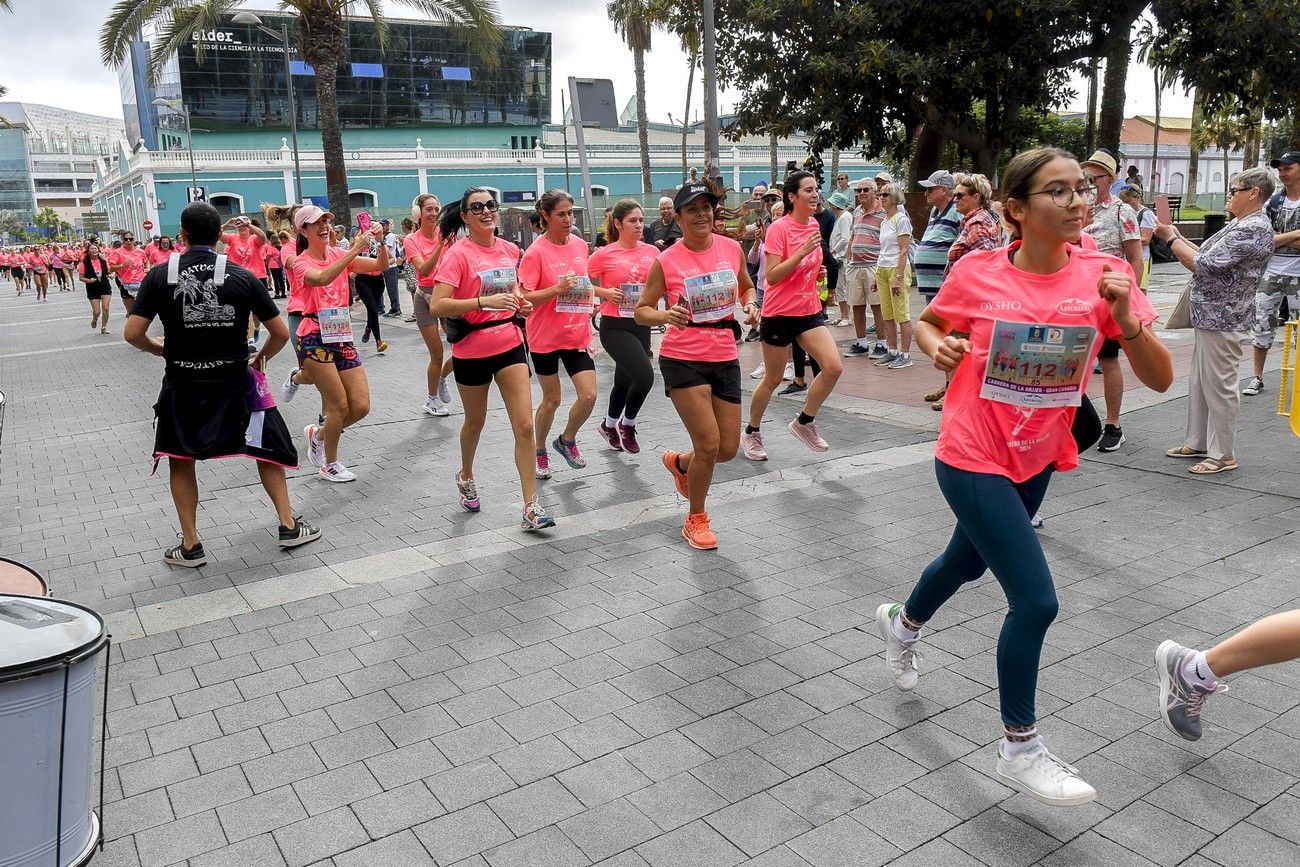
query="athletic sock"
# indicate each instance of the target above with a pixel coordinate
(864, 342)
(805, 418)
(1012, 749)
(1197, 670)
(901, 632)
(629, 422)
(750, 429)
(610, 421)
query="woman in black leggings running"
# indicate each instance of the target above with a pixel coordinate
(370, 288)
(619, 270)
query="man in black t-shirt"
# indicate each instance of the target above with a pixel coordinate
(211, 404)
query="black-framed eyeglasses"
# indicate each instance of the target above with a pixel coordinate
(126, 238)
(1096, 179)
(958, 196)
(1063, 197)
(864, 190)
(479, 207)
(1232, 191)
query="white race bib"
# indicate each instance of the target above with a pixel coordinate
(1037, 365)
(580, 299)
(711, 297)
(496, 281)
(335, 324)
(631, 297)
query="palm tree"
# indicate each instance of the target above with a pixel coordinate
(1223, 129)
(1149, 53)
(322, 41)
(1194, 158)
(634, 21)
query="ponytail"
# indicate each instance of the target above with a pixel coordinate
(618, 214)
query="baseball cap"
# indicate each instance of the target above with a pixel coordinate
(1286, 159)
(1103, 160)
(385, 222)
(308, 214)
(690, 192)
(886, 177)
(941, 178)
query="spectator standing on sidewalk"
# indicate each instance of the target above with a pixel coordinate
(940, 232)
(894, 280)
(841, 233)
(1114, 226)
(1282, 276)
(391, 272)
(664, 232)
(864, 254)
(1225, 272)
(210, 406)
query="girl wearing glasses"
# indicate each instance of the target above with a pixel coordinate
(476, 286)
(553, 275)
(1047, 305)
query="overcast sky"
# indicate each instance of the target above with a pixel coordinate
(60, 66)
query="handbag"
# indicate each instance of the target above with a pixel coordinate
(1181, 317)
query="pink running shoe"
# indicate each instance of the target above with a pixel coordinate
(751, 445)
(807, 434)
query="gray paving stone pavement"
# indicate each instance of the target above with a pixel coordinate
(423, 686)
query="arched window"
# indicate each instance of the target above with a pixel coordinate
(598, 190)
(1176, 184)
(1217, 179)
(227, 204)
(362, 200)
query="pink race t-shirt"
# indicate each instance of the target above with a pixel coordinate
(1025, 321)
(721, 264)
(314, 298)
(474, 271)
(157, 255)
(614, 266)
(135, 264)
(797, 294)
(296, 299)
(273, 259)
(247, 253)
(416, 244)
(545, 264)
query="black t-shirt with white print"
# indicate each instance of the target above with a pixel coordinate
(205, 326)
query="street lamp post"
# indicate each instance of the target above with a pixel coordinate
(189, 131)
(283, 38)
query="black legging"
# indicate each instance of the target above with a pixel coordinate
(371, 287)
(629, 345)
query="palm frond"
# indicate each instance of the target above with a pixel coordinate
(375, 9)
(123, 23)
(177, 27)
(479, 18)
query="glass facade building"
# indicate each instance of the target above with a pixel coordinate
(233, 78)
(15, 173)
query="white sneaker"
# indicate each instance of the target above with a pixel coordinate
(290, 388)
(444, 390)
(336, 472)
(901, 657)
(789, 371)
(433, 406)
(1044, 777)
(758, 372)
(315, 445)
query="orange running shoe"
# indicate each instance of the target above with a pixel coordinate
(679, 478)
(697, 533)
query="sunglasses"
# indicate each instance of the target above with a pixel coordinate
(479, 207)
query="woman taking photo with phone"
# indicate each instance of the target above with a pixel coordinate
(702, 277)
(325, 344)
(423, 247)
(792, 313)
(619, 271)
(1007, 427)
(476, 287)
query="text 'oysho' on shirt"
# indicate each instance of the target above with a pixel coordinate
(797, 294)
(1027, 322)
(720, 265)
(545, 264)
(617, 267)
(478, 272)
